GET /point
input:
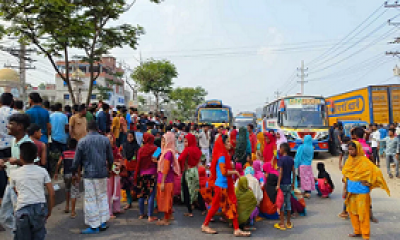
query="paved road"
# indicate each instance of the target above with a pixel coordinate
(320, 223)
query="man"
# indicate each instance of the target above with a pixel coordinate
(204, 143)
(220, 132)
(89, 114)
(59, 123)
(374, 139)
(78, 123)
(17, 126)
(39, 115)
(382, 143)
(133, 118)
(143, 123)
(180, 139)
(103, 119)
(19, 106)
(115, 128)
(94, 155)
(253, 138)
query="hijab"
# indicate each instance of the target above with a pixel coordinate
(192, 153)
(129, 149)
(254, 184)
(239, 168)
(282, 138)
(269, 148)
(232, 137)
(323, 174)
(145, 160)
(268, 169)
(241, 145)
(257, 171)
(247, 202)
(261, 141)
(305, 153)
(169, 146)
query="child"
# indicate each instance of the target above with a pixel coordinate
(35, 134)
(129, 153)
(286, 184)
(28, 181)
(344, 153)
(71, 184)
(298, 203)
(324, 182)
(392, 152)
(114, 181)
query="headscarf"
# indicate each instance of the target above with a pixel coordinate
(247, 202)
(232, 137)
(268, 169)
(129, 149)
(269, 148)
(241, 145)
(257, 171)
(145, 154)
(254, 184)
(305, 153)
(249, 171)
(169, 146)
(261, 141)
(323, 174)
(360, 168)
(192, 153)
(239, 168)
(282, 138)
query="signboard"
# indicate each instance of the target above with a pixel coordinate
(304, 101)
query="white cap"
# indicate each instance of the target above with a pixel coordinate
(115, 110)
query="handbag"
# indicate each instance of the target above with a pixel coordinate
(266, 205)
(279, 199)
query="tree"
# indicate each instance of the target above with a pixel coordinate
(58, 26)
(187, 99)
(155, 76)
(142, 101)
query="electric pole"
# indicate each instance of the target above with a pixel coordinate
(302, 76)
(22, 54)
(277, 93)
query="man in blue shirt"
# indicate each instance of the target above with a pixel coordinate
(103, 119)
(59, 123)
(39, 115)
(382, 143)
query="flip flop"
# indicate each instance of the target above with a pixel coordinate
(289, 226)
(73, 215)
(152, 219)
(352, 235)
(242, 234)
(277, 226)
(208, 230)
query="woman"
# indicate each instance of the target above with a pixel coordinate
(123, 128)
(246, 202)
(167, 168)
(325, 184)
(243, 146)
(254, 184)
(280, 138)
(114, 180)
(260, 141)
(361, 176)
(233, 138)
(129, 152)
(189, 160)
(268, 207)
(258, 172)
(145, 176)
(224, 190)
(302, 161)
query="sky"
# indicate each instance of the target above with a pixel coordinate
(243, 51)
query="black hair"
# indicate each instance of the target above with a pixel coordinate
(124, 110)
(67, 108)
(21, 118)
(92, 126)
(6, 99)
(28, 152)
(168, 128)
(53, 108)
(335, 125)
(81, 107)
(346, 139)
(353, 144)
(359, 132)
(392, 130)
(35, 97)
(220, 127)
(187, 128)
(58, 106)
(285, 147)
(234, 127)
(72, 143)
(321, 167)
(46, 104)
(375, 124)
(251, 126)
(32, 129)
(105, 106)
(75, 107)
(18, 104)
(180, 127)
(224, 138)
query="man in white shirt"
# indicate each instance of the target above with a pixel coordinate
(374, 138)
(204, 143)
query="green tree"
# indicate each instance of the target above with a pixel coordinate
(155, 76)
(58, 26)
(142, 101)
(187, 99)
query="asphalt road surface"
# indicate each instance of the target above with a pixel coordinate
(321, 221)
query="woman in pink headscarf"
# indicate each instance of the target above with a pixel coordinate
(258, 173)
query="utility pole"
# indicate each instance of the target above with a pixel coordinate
(302, 76)
(277, 94)
(22, 54)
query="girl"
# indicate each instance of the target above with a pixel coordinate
(269, 148)
(145, 176)
(303, 159)
(246, 202)
(114, 180)
(260, 142)
(361, 176)
(129, 153)
(258, 172)
(189, 160)
(167, 168)
(221, 177)
(324, 184)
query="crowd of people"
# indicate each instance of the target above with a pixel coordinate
(244, 175)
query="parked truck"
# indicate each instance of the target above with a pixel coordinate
(373, 104)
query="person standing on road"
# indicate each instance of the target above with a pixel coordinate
(204, 143)
(78, 124)
(95, 156)
(103, 119)
(253, 138)
(59, 123)
(303, 160)
(361, 177)
(382, 143)
(39, 115)
(374, 138)
(392, 152)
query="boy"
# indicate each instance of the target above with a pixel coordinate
(344, 153)
(392, 152)
(28, 181)
(71, 186)
(286, 184)
(35, 134)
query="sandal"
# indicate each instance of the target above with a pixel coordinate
(129, 206)
(142, 216)
(352, 235)
(152, 219)
(240, 233)
(278, 226)
(73, 215)
(343, 215)
(188, 214)
(208, 230)
(163, 222)
(289, 226)
(66, 211)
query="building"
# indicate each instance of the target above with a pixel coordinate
(10, 82)
(109, 86)
(48, 92)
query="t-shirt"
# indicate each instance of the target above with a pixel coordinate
(78, 126)
(41, 117)
(392, 146)
(170, 175)
(58, 120)
(116, 127)
(221, 181)
(383, 133)
(68, 158)
(5, 139)
(15, 152)
(374, 138)
(286, 163)
(29, 181)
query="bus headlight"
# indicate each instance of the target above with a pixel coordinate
(290, 135)
(323, 136)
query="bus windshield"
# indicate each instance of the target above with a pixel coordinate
(243, 122)
(211, 115)
(304, 113)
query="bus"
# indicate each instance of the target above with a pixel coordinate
(299, 116)
(260, 119)
(215, 113)
(245, 118)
